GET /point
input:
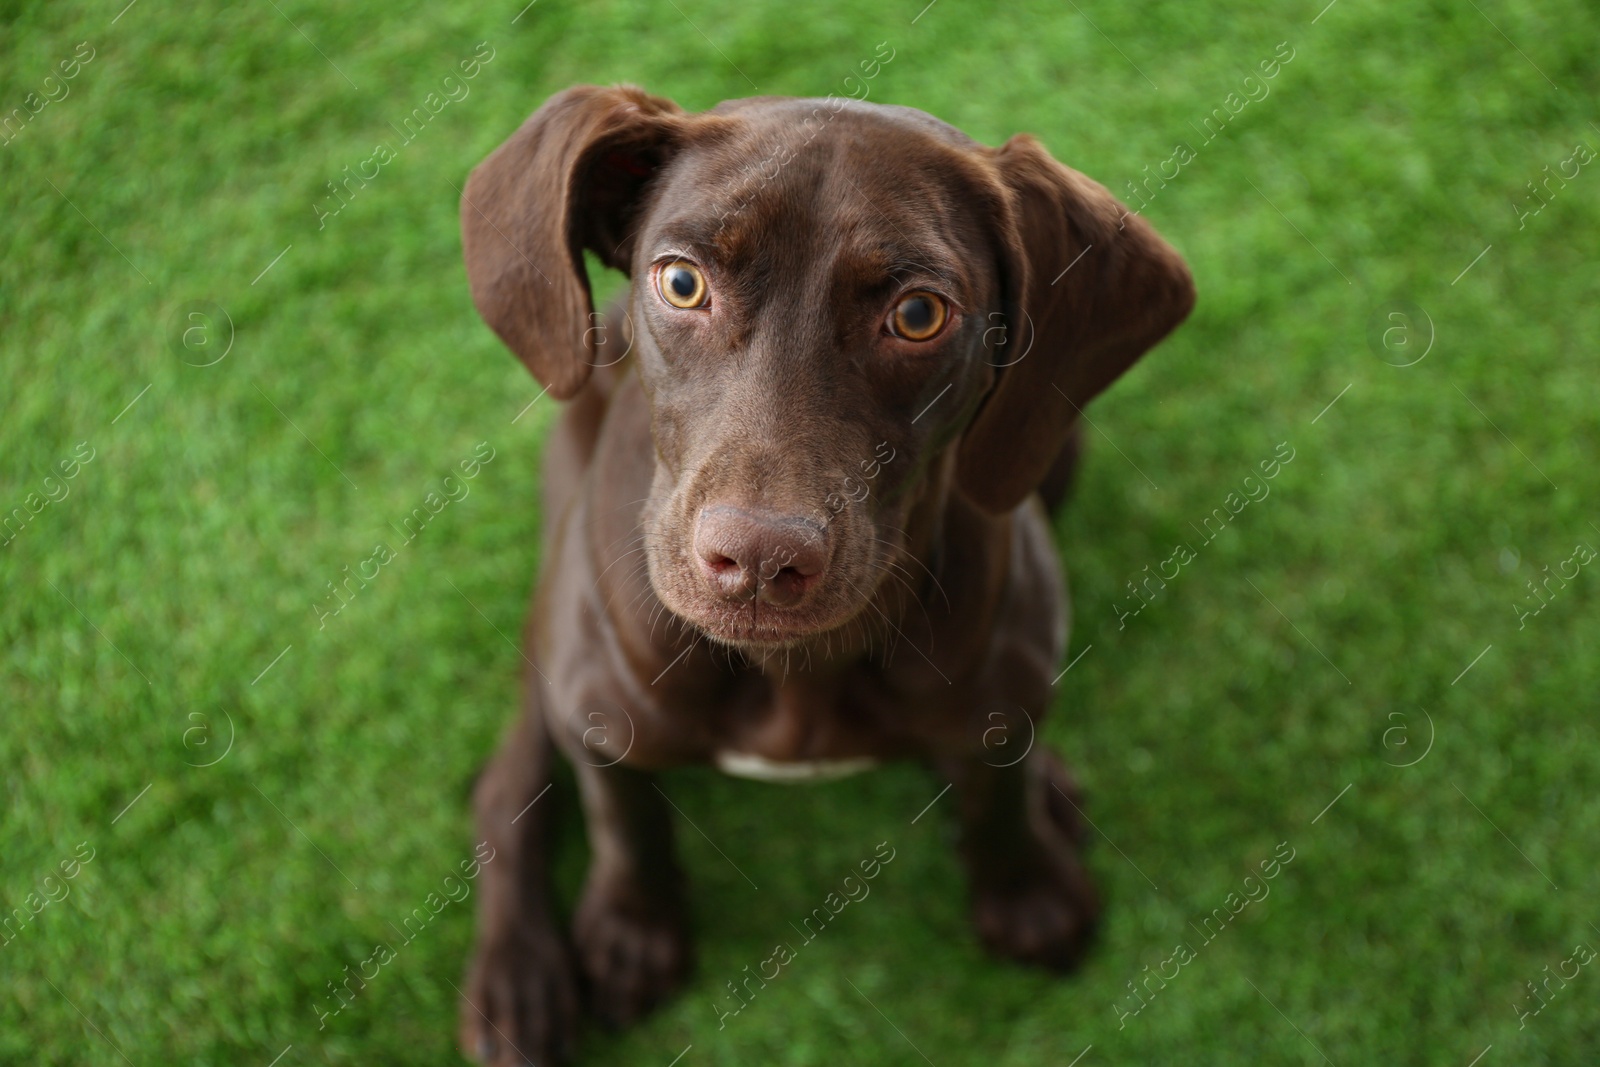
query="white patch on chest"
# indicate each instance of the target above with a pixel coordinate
(744, 765)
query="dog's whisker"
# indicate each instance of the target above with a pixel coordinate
(640, 570)
(647, 500)
(639, 551)
(907, 554)
(911, 591)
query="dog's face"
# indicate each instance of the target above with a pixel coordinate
(811, 328)
(823, 295)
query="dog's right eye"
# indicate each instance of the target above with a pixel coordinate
(681, 284)
(919, 316)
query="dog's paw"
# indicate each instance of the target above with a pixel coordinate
(521, 1001)
(634, 952)
(1044, 914)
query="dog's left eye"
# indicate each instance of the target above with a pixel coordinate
(918, 316)
(681, 284)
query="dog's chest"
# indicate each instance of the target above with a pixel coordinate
(796, 732)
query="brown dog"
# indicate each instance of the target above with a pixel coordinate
(792, 519)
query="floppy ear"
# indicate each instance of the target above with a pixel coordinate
(1089, 288)
(570, 178)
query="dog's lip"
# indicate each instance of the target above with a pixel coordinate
(772, 627)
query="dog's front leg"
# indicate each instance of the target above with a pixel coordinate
(521, 999)
(1031, 899)
(631, 930)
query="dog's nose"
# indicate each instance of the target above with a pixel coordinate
(778, 557)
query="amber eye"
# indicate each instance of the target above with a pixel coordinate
(918, 316)
(681, 284)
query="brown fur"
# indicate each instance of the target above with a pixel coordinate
(891, 485)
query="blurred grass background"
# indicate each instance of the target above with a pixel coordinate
(164, 605)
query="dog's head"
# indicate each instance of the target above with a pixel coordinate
(836, 308)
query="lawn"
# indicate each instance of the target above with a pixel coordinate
(219, 794)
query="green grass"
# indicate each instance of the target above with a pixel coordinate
(143, 608)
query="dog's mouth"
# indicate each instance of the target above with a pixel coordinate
(756, 626)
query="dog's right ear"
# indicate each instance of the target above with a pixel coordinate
(570, 178)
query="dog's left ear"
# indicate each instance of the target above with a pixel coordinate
(1089, 288)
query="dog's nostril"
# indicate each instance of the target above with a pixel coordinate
(787, 587)
(719, 563)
